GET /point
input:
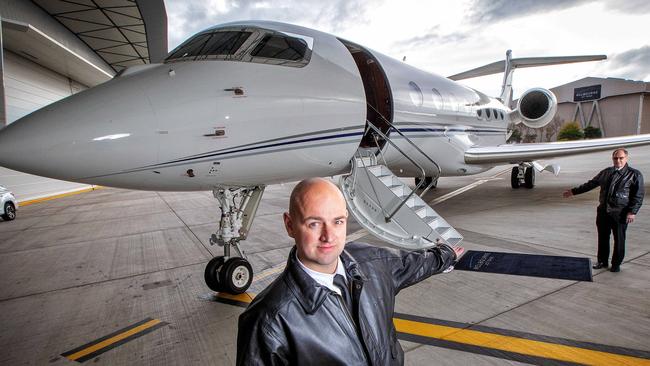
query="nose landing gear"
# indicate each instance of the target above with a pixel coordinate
(238, 206)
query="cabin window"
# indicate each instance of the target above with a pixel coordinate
(437, 99)
(487, 112)
(416, 94)
(210, 45)
(281, 47)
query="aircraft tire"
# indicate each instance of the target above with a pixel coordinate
(529, 177)
(427, 181)
(212, 274)
(10, 212)
(514, 180)
(236, 275)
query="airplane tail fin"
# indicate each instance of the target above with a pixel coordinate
(509, 65)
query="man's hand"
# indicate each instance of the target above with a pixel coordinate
(459, 251)
(630, 218)
(567, 193)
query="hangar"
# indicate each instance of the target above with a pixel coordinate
(618, 107)
(54, 48)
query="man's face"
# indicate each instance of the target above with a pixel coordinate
(319, 227)
(619, 159)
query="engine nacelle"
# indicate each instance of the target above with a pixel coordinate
(535, 108)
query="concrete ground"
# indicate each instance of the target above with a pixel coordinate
(79, 268)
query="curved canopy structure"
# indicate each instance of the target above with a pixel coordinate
(122, 32)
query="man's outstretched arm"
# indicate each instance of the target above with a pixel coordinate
(418, 265)
(586, 187)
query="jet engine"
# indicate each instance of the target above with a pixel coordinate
(535, 108)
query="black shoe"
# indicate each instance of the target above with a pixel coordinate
(599, 265)
(615, 269)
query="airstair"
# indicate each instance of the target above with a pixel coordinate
(387, 207)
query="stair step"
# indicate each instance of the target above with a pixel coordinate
(417, 209)
(413, 226)
(430, 219)
(442, 230)
(453, 241)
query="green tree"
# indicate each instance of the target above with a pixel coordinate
(592, 132)
(515, 137)
(571, 131)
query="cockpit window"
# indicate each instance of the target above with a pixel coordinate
(281, 47)
(246, 44)
(205, 45)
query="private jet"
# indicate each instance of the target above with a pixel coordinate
(243, 105)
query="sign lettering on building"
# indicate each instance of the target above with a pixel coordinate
(586, 93)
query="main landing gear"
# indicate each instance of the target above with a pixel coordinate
(427, 181)
(522, 175)
(238, 206)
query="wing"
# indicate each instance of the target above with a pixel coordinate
(517, 153)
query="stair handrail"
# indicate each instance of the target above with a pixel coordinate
(368, 176)
(376, 129)
(412, 144)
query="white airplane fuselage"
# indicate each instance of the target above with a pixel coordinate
(188, 125)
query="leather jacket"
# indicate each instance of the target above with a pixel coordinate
(297, 321)
(621, 191)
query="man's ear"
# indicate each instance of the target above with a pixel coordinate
(288, 224)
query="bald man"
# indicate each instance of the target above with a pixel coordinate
(333, 304)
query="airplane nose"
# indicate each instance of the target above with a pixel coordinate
(98, 131)
(17, 142)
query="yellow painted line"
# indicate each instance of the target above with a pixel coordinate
(246, 297)
(53, 197)
(268, 272)
(516, 345)
(499, 342)
(112, 340)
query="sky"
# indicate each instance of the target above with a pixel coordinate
(448, 37)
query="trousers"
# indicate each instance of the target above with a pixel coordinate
(607, 226)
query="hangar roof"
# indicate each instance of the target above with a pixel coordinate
(122, 32)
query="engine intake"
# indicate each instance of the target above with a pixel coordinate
(535, 108)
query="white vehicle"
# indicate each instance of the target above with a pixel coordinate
(242, 105)
(8, 204)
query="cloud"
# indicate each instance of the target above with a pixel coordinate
(432, 38)
(632, 64)
(188, 17)
(629, 6)
(482, 11)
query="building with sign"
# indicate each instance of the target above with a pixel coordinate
(617, 106)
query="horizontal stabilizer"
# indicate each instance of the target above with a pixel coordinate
(500, 66)
(516, 153)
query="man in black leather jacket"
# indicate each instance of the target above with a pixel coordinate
(303, 317)
(621, 196)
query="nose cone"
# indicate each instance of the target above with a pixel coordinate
(20, 145)
(102, 130)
